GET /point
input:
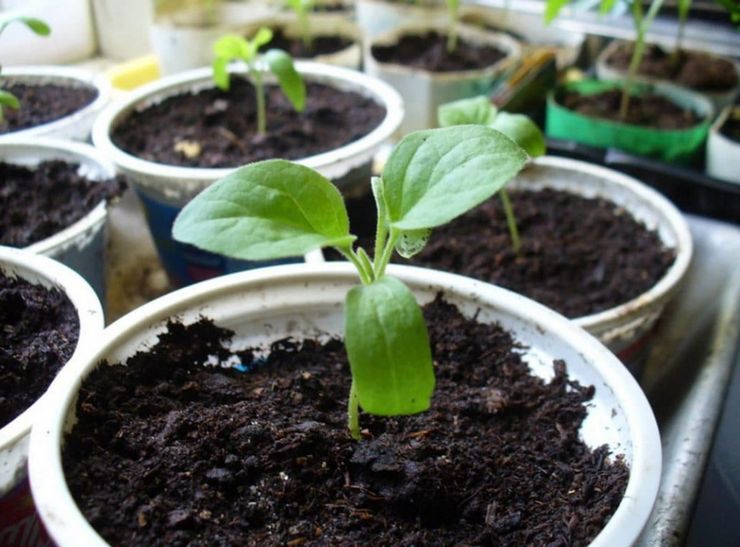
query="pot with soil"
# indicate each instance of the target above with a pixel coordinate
(415, 60)
(715, 77)
(663, 121)
(55, 102)
(723, 146)
(175, 137)
(214, 454)
(49, 314)
(56, 194)
(596, 245)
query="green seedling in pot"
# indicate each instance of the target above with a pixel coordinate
(7, 99)
(683, 6)
(275, 209)
(642, 21)
(302, 9)
(518, 127)
(454, 15)
(235, 48)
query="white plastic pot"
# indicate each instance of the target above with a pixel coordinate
(82, 245)
(18, 520)
(376, 17)
(165, 189)
(77, 125)
(605, 71)
(423, 91)
(300, 301)
(723, 153)
(122, 28)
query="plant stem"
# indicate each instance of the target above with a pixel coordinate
(353, 413)
(452, 31)
(516, 242)
(385, 257)
(259, 89)
(381, 234)
(303, 21)
(365, 276)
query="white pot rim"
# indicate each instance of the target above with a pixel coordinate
(66, 523)
(99, 82)
(85, 152)
(89, 313)
(386, 96)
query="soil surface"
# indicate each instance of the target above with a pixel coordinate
(41, 201)
(320, 45)
(214, 128)
(38, 334)
(429, 52)
(44, 103)
(648, 109)
(579, 256)
(169, 452)
(691, 69)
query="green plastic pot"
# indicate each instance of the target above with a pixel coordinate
(674, 146)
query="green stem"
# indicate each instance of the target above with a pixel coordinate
(259, 89)
(304, 23)
(452, 32)
(349, 253)
(516, 242)
(381, 234)
(353, 413)
(385, 257)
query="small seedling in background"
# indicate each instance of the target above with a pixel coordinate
(684, 6)
(235, 48)
(454, 16)
(518, 127)
(275, 209)
(7, 99)
(302, 9)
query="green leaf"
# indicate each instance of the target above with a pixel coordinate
(388, 348)
(476, 111)
(35, 25)
(230, 47)
(683, 9)
(553, 8)
(290, 81)
(522, 131)
(436, 175)
(263, 36)
(9, 100)
(411, 242)
(266, 210)
(221, 76)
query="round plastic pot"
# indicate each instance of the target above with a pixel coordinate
(19, 524)
(376, 17)
(424, 91)
(322, 24)
(723, 153)
(122, 28)
(298, 301)
(75, 126)
(82, 245)
(165, 189)
(606, 71)
(675, 146)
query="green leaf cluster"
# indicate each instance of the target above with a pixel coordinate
(276, 208)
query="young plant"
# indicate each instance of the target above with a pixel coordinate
(518, 127)
(7, 99)
(275, 209)
(302, 8)
(453, 13)
(235, 48)
(684, 6)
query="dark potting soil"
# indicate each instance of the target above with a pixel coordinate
(320, 45)
(429, 52)
(38, 334)
(214, 128)
(647, 109)
(579, 256)
(43, 104)
(691, 69)
(40, 201)
(168, 452)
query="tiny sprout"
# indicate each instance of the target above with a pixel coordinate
(275, 209)
(302, 8)
(232, 47)
(452, 12)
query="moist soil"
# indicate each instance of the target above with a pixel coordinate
(169, 452)
(43, 104)
(646, 109)
(579, 256)
(215, 128)
(40, 201)
(691, 69)
(429, 52)
(320, 45)
(38, 334)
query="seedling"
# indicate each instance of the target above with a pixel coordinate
(235, 48)
(684, 6)
(7, 99)
(275, 209)
(454, 16)
(302, 8)
(517, 127)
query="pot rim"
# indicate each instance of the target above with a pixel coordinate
(66, 523)
(89, 313)
(49, 147)
(382, 92)
(29, 72)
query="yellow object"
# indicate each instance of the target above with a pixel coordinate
(133, 73)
